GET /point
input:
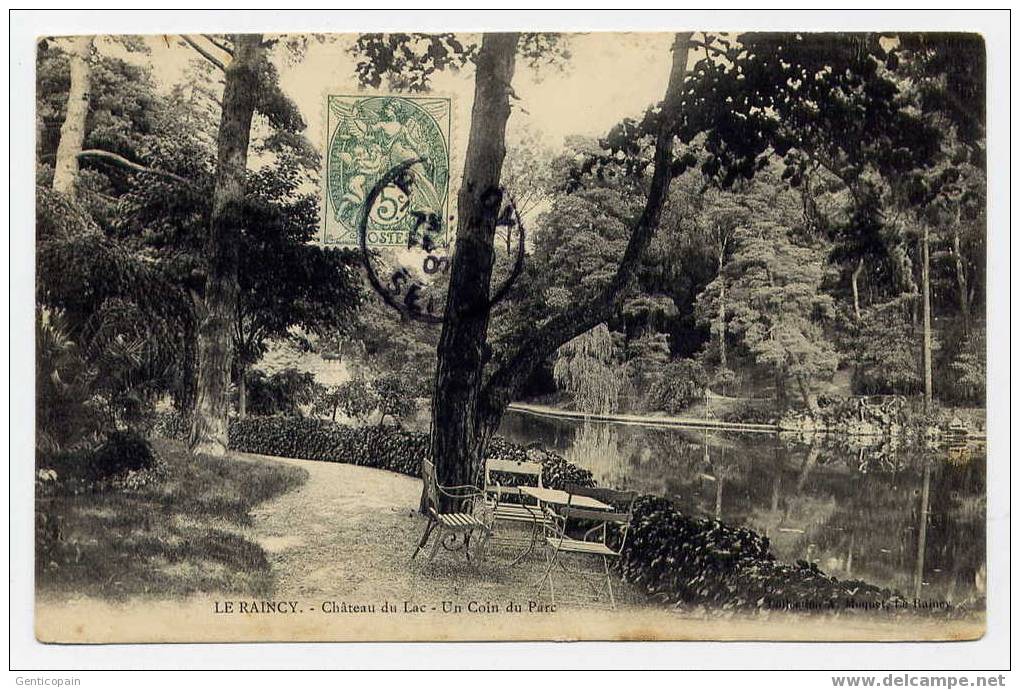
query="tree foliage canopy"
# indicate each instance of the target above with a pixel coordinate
(118, 321)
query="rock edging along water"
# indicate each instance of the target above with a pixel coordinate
(643, 420)
(676, 558)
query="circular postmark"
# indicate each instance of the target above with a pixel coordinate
(414, 282)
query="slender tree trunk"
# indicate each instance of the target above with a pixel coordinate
(922, 529)
(215, 344)
(961, 279)
(777, 483)
(184, 398)
(72, 132)
(781, 397)
(242, 393)
(853, 284)
(722, 315)
(926, 306)
(810, 399)
(456, 439)
(810, 460)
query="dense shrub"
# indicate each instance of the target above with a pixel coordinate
(680, 384)
(687, 560)
(173, 425)
(396, 397)
(672, 552)
(121, 453)
(381, 447)
(749, 412)
(355, 398)
(283, 392)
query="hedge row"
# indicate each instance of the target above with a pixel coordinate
(687, 560)
(675, 557)
(382, 447)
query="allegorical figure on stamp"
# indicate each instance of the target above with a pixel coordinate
(376, 134)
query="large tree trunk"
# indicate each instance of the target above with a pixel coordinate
(72, 132)
(215, 344)
(464, 413)
(456, 438)
(926, 306)
(540, 343)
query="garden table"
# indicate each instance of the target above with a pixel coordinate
(553, 498)
(561, 498)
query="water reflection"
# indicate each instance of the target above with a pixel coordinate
(877, 509)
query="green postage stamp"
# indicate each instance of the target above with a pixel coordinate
(367, 137)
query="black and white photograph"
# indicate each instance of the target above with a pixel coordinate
(511, 336)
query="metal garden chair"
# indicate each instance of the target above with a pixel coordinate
(454, 528)
(593, 538)
(507, 503)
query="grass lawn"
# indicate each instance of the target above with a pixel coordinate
(178, 535)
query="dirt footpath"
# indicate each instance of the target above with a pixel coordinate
(348, 533)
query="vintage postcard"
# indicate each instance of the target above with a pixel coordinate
(510, 336)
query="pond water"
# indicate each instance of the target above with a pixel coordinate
(860, 508)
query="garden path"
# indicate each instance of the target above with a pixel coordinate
(348, 532)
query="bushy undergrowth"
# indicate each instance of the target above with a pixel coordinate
(675, 557)
(679, 385)
(749, 412)
(123, 459)
(687, 560)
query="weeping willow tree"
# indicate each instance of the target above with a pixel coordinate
(590, 370)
